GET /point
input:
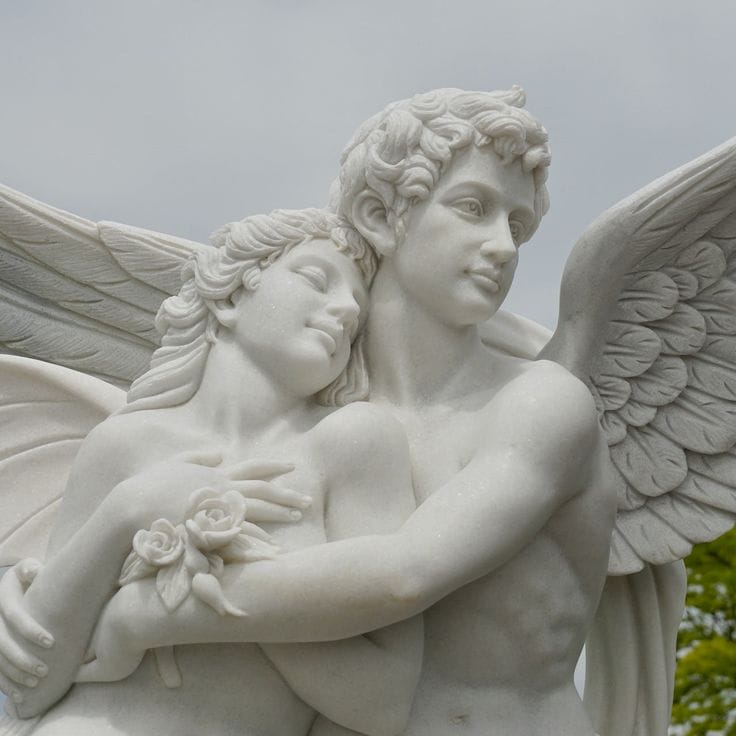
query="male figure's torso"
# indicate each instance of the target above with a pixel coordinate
(500, 652)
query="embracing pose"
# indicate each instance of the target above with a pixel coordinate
(536, 479)
(261, 325)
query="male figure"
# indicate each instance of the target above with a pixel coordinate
(507, 552)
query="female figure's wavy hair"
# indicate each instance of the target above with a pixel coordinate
(242, 250)
(401, 153)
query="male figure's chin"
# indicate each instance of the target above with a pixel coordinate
(478, 306)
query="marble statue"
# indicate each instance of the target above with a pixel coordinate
(349, 497)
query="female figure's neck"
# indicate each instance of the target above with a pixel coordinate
(239, 400)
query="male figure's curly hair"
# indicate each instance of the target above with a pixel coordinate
(242, 250)
(401, 153)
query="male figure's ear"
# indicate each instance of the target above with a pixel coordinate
(369, 219)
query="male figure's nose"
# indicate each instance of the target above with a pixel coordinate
(499, 246)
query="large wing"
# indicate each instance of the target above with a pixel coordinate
(648, 321)
(79, 293)
(45, 412)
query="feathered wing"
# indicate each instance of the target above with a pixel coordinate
(648, 322)
(82, 294)
(45, 411)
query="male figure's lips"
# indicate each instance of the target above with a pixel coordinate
(486, 279)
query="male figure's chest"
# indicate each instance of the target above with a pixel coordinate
(442, 440)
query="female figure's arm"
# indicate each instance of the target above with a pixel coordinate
(110, 495)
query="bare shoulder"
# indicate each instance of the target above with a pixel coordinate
(124, 442)
(542, 389)
(547, 416)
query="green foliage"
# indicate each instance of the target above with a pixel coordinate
(705, 681)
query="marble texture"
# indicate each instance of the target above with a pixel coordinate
(347, 478)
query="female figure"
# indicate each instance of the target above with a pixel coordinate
(261, 329)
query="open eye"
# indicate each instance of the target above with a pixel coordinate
(315, 276)
(469, 206)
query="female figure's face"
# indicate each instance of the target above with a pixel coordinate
(300, 321)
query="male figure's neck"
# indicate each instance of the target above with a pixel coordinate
(414, 359)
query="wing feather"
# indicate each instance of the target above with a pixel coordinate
(83, 294)
(649, 299)
(46, 411)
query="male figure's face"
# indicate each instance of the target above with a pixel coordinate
(461, 246)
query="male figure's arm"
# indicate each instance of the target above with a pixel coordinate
(540, 450)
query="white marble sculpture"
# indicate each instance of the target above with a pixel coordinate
(523, 502)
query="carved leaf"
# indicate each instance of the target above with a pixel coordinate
(705, 260)
(687, 283)
(651, 463)
(649, 296)
(173, 584)
(135, 568)
(662, 383)
(683, 332)
(717, 304)
(629, 350)
(699, 422)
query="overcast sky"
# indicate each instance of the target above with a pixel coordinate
(180, 116)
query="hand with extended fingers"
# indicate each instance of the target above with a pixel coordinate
(34, 673)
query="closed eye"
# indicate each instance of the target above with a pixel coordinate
(315, 276)
(469, 206)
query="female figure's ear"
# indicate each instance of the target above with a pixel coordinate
(369, 218)
(226, 310)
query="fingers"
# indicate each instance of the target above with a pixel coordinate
(266, 491)
(14, 693)
(258, 511)
(17, 675)
(16, 663)
(27, 569)
(257, 470)
(252, 530)
(11, 595)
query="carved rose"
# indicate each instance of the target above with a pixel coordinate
(160, 546)
(215, 519)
